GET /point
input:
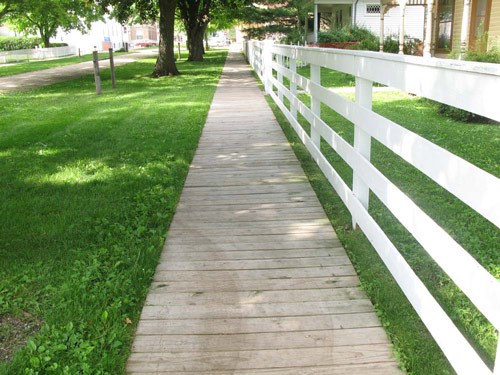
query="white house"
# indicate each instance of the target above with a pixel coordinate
(368, 13)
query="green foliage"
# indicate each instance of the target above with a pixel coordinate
(410, 47)
(347, 34)
(92, 189)
(17, 43)
(45, 17)
(491, 56)
(276, 18)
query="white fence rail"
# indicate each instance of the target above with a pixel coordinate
(470, 86)
(36, 54)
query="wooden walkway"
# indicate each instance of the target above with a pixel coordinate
(252, 278)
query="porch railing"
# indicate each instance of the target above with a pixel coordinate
(473, 87)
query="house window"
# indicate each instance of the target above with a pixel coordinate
(481, 10)
(372, 8)
(445, 20)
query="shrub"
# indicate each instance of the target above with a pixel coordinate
(346, 34)
(15, 43)
(58, 44)
(491, 56)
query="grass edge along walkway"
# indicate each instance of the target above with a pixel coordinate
(92, 182)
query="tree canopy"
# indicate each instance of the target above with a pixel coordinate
(271, 17)
(46, 17)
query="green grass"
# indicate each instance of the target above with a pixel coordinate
(32, 66)
(89, 185)
(415, 348)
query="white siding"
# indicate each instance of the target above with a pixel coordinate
(414, 20)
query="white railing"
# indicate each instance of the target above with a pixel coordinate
(36, 54)
(473, 87)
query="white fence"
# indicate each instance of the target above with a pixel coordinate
(36, 54)
(471, 86)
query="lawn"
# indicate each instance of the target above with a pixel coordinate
(478, 143)
(88, 187)
(32, 66)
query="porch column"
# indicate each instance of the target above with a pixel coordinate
(383, 9)
(316, 23)
(464, 33)
(429, 29)
(402, 8)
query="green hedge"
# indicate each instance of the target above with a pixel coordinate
(12, 43)
(15, 43)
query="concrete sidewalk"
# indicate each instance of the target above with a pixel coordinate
(50, 76)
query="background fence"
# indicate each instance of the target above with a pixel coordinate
(473, 87)
(36, 54)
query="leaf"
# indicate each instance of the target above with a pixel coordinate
(128, 321)
(104, 316)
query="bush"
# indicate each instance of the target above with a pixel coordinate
(346, 34)
(491, 56)
(58, 44)
(15, 43)
(411, 46)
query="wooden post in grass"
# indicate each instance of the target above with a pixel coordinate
(112, 67)
(95, 60)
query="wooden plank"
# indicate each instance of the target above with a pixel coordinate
(384, 368)
(250, 254)
(281, 245)
(256, 311)
(258, 341)
(255, 359)
(200, 239)
(265, 274)
(165, 282)
(254, 297)
(250, 230)
(227, 326)
(259, 264)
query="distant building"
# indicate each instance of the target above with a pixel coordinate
(143, 35)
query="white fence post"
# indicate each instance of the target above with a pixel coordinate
(279, 60)
(293, 84)
(362, 142)
(315, 105)
(267, 59)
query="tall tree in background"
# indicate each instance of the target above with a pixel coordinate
(271, 17)
(45, 17)
(195, 14)
(150, 11)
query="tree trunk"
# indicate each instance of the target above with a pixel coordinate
(165, 64)
(207, 47)
(195, 16)
(46, 41)
(196, 49)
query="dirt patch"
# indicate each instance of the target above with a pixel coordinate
(14, 333)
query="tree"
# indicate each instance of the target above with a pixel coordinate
(150, 11)
(7, 7)
(272, 17)
(195, 16)
(45, 17)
